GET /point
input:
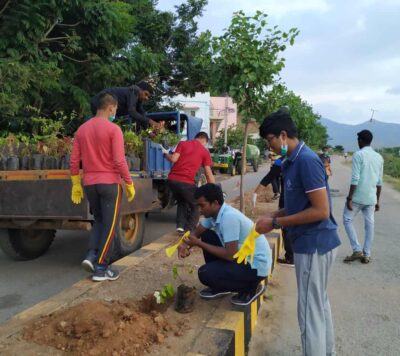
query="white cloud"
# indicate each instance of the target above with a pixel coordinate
(277, 8)
(346, 59)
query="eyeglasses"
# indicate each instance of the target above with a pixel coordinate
(270, 138)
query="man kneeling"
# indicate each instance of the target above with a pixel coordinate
(220, 235)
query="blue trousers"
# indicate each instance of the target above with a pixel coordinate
(225, 276)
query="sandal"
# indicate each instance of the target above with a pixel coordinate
(366, 259)
(355, 256)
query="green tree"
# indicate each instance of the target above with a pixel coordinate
(56, 54)
(308, 123)
(339, 148)
(235, 137)
(246, 62)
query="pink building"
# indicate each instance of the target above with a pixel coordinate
(219, 106)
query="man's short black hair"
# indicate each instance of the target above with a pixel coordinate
(211, 192)
(106, 99)
(145, 86)
(202, 134)
(277, 122)
(365, 136)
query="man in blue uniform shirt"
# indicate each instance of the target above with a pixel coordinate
(220, 235)
(307, 215)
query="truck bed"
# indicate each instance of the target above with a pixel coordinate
(47, 195)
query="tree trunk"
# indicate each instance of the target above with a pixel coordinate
(243, 171)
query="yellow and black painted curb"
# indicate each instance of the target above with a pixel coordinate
(230, 330)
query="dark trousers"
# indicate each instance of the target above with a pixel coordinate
(287, 243)
(105, 202)
(273, 178)
(224, 276)
(187, 215)
(275, 185)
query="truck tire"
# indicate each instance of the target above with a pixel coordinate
(130, 233)
(25, 244)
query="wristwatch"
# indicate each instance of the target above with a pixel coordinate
(275, 224)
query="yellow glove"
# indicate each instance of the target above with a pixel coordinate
(248, 248)
(77, 190)
(130, 191)
(171, 250)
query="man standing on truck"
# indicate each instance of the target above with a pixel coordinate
(99, 144)
(130, 102)
(187, 159)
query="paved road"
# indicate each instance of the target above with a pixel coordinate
(364, 298)
(25, 283)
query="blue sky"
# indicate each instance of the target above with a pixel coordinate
(346, 59)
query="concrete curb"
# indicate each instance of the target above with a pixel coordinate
(231, 330)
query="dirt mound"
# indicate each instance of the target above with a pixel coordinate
(263, 206)
(103, 328)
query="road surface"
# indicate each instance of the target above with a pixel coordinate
(364, 298)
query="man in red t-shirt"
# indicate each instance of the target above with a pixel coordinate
(99, 144)
(187, 159)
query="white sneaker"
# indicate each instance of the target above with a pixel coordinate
(87, 265)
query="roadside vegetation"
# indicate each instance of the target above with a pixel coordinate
(391, 167)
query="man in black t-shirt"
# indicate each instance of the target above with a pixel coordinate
(130, 102)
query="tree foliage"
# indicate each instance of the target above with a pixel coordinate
(307, 122)
(235, 137)
(56, 54)
(246, 61)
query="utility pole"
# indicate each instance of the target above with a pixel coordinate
(226, 120)
(372, 116)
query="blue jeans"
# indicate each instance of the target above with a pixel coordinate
(348, 217)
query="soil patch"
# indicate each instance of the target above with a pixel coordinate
(265, 203)
(96, 327)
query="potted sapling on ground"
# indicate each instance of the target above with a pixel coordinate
(185, 295)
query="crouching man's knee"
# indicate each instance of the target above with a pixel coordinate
(205, 275)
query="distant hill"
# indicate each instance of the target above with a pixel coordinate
(385, 134)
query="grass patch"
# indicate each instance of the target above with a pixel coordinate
(394, 182)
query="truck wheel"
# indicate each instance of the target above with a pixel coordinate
(131, 233)
(255, 164)
(223, 170)
(24, 244)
